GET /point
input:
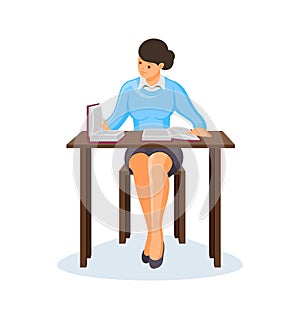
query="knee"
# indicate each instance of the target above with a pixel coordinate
(138, 161)
(162, 160)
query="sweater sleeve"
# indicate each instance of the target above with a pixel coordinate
(185, 107)
(120, 113)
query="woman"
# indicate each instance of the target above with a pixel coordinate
(151, 100)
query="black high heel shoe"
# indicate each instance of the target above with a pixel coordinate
(145, 258)
(157, 263)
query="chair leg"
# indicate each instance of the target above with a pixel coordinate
(176, 203)
(127, 205)
(122, 207)
(181, 217)
(179, 205)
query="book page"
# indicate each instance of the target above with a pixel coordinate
(156, 135)
(107, 136)
(94, 119)
(182, 133)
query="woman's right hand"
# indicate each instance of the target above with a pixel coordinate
(104, 125)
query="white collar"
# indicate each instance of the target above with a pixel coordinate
(159, 84)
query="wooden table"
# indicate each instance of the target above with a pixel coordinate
(133, 139)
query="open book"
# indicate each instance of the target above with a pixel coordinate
(94, 126)
(168, 134)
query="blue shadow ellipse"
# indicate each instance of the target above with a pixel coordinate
(181, 261)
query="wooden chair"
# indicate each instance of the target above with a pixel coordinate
(124, 205)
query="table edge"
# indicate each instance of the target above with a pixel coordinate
(100, 145)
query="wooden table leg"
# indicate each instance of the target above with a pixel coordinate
(89, 204)
(215, 205)
(211, 204)
(85, 205)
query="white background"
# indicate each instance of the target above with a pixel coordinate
(239, 60)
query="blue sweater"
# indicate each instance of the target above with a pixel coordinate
(153, 109)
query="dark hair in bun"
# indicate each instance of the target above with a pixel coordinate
(156, 51)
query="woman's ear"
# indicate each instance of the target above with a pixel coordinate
(161, 65)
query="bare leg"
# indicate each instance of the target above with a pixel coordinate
(152, 184)
(139, 165)
(159, 165)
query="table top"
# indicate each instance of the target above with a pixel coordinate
(134, 139)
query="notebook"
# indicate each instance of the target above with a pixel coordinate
(168, 134)
(94, 126)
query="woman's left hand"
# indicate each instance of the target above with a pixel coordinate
(200, 131)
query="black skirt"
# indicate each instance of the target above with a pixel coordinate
(174, 153)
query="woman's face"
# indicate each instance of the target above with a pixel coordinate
(149, 70)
